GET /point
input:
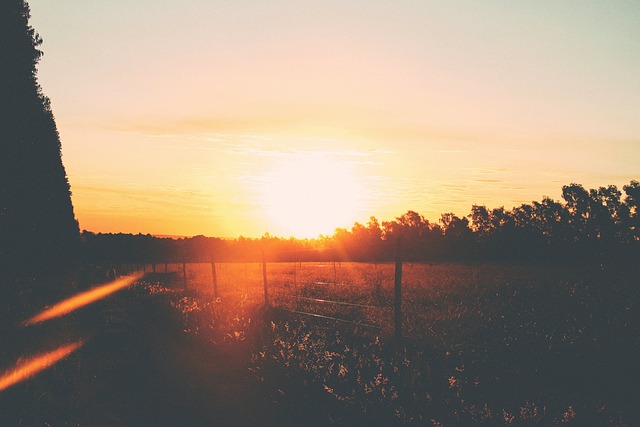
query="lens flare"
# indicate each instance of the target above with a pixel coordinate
(29, 367)
(82, 299)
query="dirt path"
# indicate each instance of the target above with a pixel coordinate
(137, 367)
(146, 371)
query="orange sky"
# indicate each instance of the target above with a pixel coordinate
(194, 117)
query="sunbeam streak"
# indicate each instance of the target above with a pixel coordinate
(29, 367)
(82, 299)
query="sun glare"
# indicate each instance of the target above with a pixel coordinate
(309, 194)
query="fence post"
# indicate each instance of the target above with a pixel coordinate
(264, 278)
(184, 274)
(295, 279)
(215, 278)
(397, 306)
(335, 272)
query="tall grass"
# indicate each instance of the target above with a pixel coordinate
(489, 344)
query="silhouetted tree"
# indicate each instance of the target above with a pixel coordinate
(577, 204)
(632, 201)
(552, 219)
(420, 239)
(458, 237)
(609, 214)
(38, 230)
(374, 240)
(481, 222)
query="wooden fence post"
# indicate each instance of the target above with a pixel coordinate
(335, 272)
(264, 278)
(184, 274)
(397, 306)
(295, 279)
(214, 276)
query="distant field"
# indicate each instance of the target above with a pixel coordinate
(482, 344)
(297, 285)
(431, 292)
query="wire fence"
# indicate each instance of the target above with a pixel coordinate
(328, 291)
(332, 290)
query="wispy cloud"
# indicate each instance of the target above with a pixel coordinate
(489, 181)
(146, 198)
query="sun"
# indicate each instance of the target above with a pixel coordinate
(305, 195)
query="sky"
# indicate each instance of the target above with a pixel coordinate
(293, 118)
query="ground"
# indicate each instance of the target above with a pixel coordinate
(483, 346)
(137, 368)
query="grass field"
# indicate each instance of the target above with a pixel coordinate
(491, 345)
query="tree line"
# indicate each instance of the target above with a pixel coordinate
(595, 225)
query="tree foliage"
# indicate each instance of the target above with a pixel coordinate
(38, 230)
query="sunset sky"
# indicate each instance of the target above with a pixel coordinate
(296, 117)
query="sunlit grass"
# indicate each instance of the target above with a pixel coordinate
(495, 345)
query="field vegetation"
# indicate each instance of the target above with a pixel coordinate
(483, 344)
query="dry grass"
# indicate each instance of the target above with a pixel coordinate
(488, 345)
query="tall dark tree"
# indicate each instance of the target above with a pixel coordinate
(38, 230)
